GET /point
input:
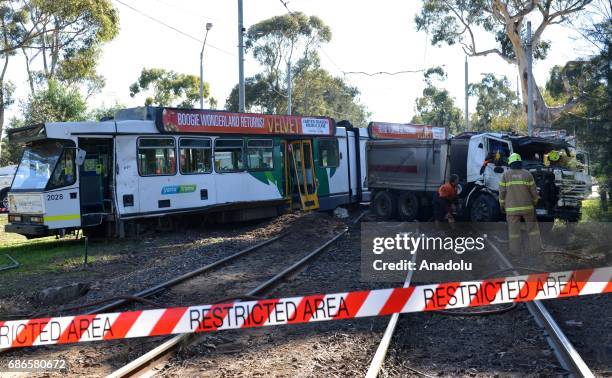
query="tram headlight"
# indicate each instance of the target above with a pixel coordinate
(14, 218)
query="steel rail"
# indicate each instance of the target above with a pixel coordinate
(383, 346)
(165, 350)
(568, 356)
(175, 281)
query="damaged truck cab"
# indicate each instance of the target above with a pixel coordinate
(406, 168)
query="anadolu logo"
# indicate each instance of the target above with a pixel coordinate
(178, 189)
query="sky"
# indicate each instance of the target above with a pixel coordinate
(369, 36)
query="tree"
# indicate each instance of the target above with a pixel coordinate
(57, 103)
(591, 121)
(170, 88)
(295, 39)
(467, 22)
(436, 107)
(278, 39)
(497, 106)
(70, 35)
(64, 35)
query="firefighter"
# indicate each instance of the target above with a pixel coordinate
(444, 198)
(518, 196)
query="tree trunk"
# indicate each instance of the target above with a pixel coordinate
(543, 115)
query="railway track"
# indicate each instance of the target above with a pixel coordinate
(565, 353)
(145, 364)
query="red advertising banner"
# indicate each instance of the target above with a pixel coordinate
(216, 122)
(384, 130)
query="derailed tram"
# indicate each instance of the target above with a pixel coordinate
(156, 162)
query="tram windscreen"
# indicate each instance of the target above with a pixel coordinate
(37, 165)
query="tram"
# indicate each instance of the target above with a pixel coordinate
(157, 162)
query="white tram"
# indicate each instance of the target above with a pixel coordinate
(154, 162)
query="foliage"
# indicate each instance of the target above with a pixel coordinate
(469, 23)
(296, 38)
(436, 107)
(70, 33)
(592, 212)
(277, 39)
(11, 152)
(169, 88)
(589, 81)
(497, 105)
(57, 103)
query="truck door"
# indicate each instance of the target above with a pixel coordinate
(501, 149)
(303, 171)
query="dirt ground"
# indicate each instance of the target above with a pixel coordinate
(507, 344)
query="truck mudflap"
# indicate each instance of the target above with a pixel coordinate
(28, 230)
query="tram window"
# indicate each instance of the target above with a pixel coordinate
(64, 173)
(229, 155)
(259, 154)
(195, 156)
(156, 157)
(329, 156)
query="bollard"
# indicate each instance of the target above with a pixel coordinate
(86, 245)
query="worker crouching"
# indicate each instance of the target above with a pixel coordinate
(444, 199)
(518, 196)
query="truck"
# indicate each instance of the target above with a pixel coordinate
(407, 163)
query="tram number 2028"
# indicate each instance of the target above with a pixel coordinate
(55, 197)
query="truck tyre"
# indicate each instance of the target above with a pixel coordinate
(384, 205)
(408, 206)
(4, 198)
(485, 208)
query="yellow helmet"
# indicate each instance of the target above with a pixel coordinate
(514, 157)
(554, 155)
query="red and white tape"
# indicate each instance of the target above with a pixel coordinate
(312, 308)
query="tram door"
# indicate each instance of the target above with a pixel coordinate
(303, 177)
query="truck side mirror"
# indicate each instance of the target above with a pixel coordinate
(80, 156)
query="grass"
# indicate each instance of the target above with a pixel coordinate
(591, 211)
(45, 255)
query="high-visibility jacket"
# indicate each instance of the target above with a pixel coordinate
(518, 193)
(447, 191)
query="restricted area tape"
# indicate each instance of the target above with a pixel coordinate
(294, 310)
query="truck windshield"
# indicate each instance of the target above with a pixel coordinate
(38, 165)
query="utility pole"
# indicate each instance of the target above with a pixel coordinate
(529, 82)
(289, 88)
(208, 27)
(240, 58)
(467, 118)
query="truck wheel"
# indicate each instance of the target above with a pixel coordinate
(408, 206)
(384, 205)
(485, 209)
(4, 198)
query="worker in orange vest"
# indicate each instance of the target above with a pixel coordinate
(444, 198)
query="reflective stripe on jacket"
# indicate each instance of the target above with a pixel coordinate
(517, 192)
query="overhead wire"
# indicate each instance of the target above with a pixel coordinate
(173, 28)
